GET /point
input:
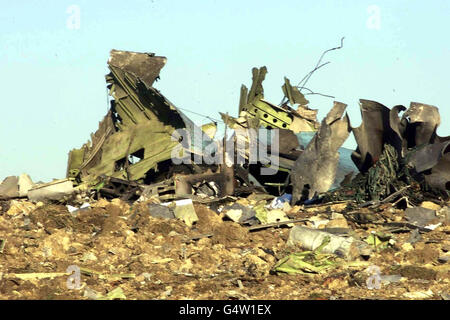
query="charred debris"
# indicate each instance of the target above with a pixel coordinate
(147, 147)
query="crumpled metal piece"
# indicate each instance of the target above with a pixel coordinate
(371, 135)
(428, 156)
(423, 120)
(440, 173)
(293, 93)
(433, 160)
(288, 141)
(315, 169)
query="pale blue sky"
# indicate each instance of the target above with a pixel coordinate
(52, 77)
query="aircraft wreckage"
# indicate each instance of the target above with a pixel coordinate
(153, 200)
(132, 152)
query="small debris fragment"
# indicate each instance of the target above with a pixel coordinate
(420, 216)
(419, 295)
(184, 210)
(2, 245)
(89, 256)
(160, 211)
(311, 239)
(239, 213)
(74, 210)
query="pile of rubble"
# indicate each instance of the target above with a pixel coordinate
(155, 207)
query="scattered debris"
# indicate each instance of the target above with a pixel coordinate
(281, 209)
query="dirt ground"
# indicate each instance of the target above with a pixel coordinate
(116, 245)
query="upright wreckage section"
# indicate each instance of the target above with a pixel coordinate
(135, 134)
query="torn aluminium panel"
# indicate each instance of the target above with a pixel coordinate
(433, 161)
(136, 133)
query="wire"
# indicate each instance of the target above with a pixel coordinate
(201, 115)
